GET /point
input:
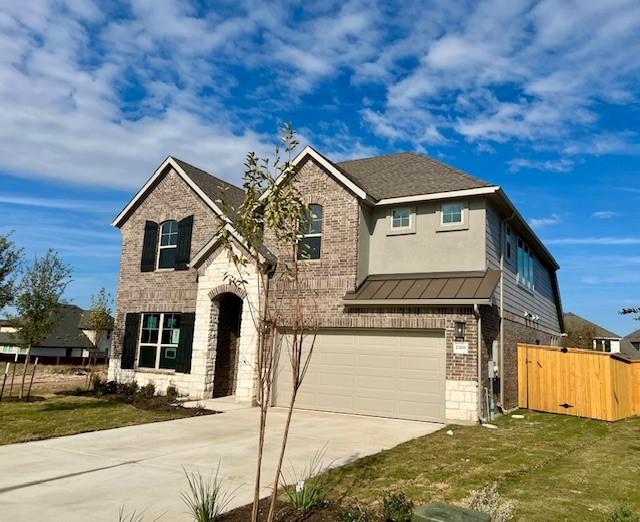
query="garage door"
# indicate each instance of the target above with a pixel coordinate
(399, 374)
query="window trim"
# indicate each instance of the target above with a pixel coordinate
(452, 223)
(312, 235)
(158, 345)
(161, 246)
(526, 281)
(398, 231)
(441, 226)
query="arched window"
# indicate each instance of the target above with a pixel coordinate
(310, 242)
(168, 245)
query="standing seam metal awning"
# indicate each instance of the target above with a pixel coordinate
(430, 288)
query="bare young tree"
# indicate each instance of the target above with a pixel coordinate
(99, 321)
(272, 212)
(37, 297)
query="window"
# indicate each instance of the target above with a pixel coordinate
(508, 243)
(525, 265)
(452, 213)
(310, 242)
(168, 244)
(401, 218)
(159, 338)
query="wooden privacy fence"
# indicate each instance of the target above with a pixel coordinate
(578, 382)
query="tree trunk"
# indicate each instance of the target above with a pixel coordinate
(283, 447)
(256, 490)
(24, 373)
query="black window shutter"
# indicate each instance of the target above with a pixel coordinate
(130, 341)
(183, 254)
(149, 245)
(185, 344)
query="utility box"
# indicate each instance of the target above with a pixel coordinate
(441, 512)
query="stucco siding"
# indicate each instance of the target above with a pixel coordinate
(432, 248)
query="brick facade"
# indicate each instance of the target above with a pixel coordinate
(161, 290)
(517, 330)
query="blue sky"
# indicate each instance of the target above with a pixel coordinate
(539, 97)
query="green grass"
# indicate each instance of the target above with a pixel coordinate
(65, 415)
(552, 467)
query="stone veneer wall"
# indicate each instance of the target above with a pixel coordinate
(162, 290)
(213, 283)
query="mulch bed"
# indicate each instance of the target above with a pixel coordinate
(284, 513)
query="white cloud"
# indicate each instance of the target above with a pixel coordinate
(558, 165)
(594, 241)
(537, 223)
(505, 71)
(604, 214)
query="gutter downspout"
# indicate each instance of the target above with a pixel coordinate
(476, 312)
(503, 246)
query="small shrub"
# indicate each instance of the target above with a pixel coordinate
(148, 391)
(488, 500)
(307, 490)
(111, 387)
(98, 385)
(396, 507)
(353, 514)
(128, 389)
(206, 498)
(172, 393)
(621, 513)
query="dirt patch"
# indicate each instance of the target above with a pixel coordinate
(285, 513)
(50, 379)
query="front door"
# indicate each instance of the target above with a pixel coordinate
(226, 366)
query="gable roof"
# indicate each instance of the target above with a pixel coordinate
(67, 332)
(407, 174)
(573, 320)
(633, 337)
(208, 187)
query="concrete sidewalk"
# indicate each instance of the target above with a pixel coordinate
(89, 476)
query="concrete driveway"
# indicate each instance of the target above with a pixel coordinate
(89, 476)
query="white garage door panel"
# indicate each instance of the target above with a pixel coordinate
(385, 373)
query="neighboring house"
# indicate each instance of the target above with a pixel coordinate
(70, 341)
(421, 277)
(630, 345)
(582, 333)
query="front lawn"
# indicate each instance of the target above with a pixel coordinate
(65, 415)
(552, 467)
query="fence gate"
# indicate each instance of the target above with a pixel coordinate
(578, 382)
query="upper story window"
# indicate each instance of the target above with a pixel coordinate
(525, 265)
(401, 218)
(159, 337)
(452, 213)
(310, 242)
(508, 243)
(168, 244)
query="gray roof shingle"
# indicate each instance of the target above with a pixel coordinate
(215, 188)
(572, 319)
(406, 174)
(67, 332)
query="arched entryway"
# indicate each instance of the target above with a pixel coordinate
(227, 344)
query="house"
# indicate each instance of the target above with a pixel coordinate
(422, 278)
(582, 333)
(70, 341)
(630, 345)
